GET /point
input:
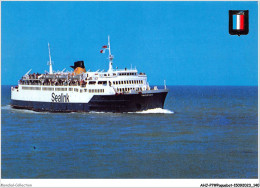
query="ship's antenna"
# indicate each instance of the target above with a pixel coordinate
(110, 57)
(50, 62)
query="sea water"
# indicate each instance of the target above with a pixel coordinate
(202, 132)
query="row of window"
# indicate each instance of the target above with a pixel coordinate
(122, 74)
(48, 89)
(64, 89)
(114, 74)
(80, 90)
(128, 82)
(117, 82)
(31, 88)
(90, 90)
(61, 89)
(96, 90)
(128, 89)
(127, 74)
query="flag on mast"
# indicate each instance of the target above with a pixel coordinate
(103, 50)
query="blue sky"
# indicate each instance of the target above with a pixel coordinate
(184, 43)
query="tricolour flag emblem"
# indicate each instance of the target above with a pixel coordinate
(238, 22)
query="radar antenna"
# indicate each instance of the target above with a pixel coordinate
(110, 57)
(50, 62)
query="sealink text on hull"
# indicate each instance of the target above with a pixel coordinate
(115, 90)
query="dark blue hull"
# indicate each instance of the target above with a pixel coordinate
(100, 103)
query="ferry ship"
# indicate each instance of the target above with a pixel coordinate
(114, 90)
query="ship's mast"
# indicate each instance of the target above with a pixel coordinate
(50, 63)
(110, 57)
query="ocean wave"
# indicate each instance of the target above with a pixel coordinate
(29, 111)
(156, 111)
(150, 111)
(9, 107)
(94, 112)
